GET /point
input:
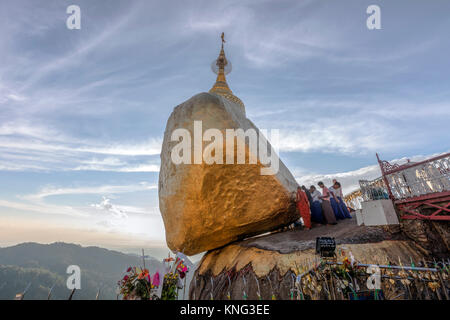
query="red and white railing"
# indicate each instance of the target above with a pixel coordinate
(416, 187)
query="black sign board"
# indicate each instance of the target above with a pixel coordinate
(325, 246)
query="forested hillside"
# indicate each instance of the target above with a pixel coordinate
(45, 266)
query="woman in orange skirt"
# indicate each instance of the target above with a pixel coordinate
(303, 208)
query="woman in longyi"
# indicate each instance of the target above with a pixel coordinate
(303, 208)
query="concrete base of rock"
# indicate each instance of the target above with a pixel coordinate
(359, 217)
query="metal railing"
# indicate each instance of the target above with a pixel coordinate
(373, 189)
(416, 179)
(333, 280)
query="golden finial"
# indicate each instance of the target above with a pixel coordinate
(221, 85)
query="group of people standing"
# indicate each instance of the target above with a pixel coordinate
(324, 207)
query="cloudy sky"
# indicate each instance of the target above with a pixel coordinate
(82, 112)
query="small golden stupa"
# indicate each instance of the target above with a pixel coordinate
(221, 85)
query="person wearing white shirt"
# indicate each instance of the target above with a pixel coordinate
(315, 194)
(335, 203)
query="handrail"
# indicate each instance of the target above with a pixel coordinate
(413, 164)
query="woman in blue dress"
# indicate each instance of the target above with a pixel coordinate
(316, 206)
(335, 204)
(338, 190)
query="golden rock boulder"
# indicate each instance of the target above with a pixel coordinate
(206, 206)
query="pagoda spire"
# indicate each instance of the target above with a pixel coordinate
(221, 87)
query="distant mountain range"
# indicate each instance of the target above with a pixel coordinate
(45, 266)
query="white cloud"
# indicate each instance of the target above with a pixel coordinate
(141, 168)
(116, 165)
(349, 126)
(36, 202)
(42, 208)
(103, 189)
(123, 211)
(15, 97)
(109, 161)
(25, 146)
(106, 205)
(149, 148)
(344, 137)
